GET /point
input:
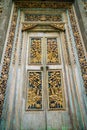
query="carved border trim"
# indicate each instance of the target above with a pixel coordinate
(7, 58)
(79, 46)
(27, 26)
(43, 4)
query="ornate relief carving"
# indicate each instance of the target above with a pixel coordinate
(7, 57)
(41, 17)
(60, 26)
(35, 51)
(34, 91)
(55, 87)
(53, 56)
(43, 4)
(27, 26)
(80, 50)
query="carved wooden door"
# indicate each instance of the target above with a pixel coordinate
(45, 100)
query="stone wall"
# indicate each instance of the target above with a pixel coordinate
(81, 11)
(5, 9)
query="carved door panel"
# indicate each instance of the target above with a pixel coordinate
(45, 100)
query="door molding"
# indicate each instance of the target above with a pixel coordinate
(30, 26)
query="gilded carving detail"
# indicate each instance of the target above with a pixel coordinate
(60, 26)
(6, 62)
(35, 51)
(79, 46)
(7, 56)
(27, 26)
(43, 4)
(34, 91)
(52, 51)
(55, 88)
(42, 17)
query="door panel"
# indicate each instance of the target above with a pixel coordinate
(55, 90)
(45, 100)
(34, 91)
(35, 51)
(53, 56)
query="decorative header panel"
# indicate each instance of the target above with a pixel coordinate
(48, 0)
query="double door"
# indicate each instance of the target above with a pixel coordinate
(45, 93)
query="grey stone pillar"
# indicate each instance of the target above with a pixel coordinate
(82, 18)
(5, 8)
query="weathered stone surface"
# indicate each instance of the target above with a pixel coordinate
(82, 19)
(4, 20)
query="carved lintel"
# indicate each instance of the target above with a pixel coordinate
(27, 26)
(59, 26)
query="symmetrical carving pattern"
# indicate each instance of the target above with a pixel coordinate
(7, 57)
(55, 89)
(52, 51)
(34, 92)
(35, 51)
(80, 50)
(43, 4)
(27, 26)
(41, 17)
(59, 26)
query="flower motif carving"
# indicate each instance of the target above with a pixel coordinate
(41, 17)
(55, 90)
(79, 46)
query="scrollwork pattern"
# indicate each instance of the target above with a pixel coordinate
(35, 51)
(55, 88)
(52, 51)
(79, 46)
(7, 56)
(43, 4)
(41, 17)
(34, 92)
(6, 62)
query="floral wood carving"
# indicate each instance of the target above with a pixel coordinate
(43, 4)
(55, 87)
(42, 17)
(34, 91)
(59, 26)
(7, 56)
(27, 26)
(6, 62)
(79, 46)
